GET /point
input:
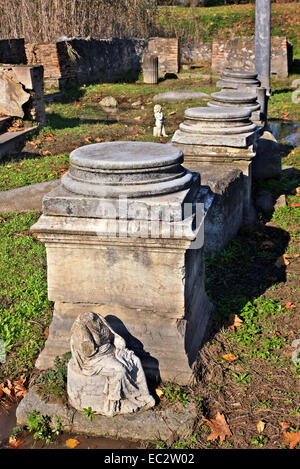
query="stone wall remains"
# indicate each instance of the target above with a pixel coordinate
(195, 54)
(167, 51)
(88, 60)
(239, 53)
(59, 67)
(12, 51)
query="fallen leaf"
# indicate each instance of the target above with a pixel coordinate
(266, 245)
(229, 357)
(46, 332)
(137, 118)
(289, 305)
(159, 392)
(284, 425)
(260, 426)
(19, 388)
(291, 439)
(72, 443)
(13, 443)
(219, 428)
(98, 139)
(295, 205)
(282, 261)
(234, 321)
(46, 153)
(88, 139)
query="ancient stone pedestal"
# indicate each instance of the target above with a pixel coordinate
(122, 240)
(246, 83)
(150, 69)
(219, 136)
(238, 79)
(238, 99)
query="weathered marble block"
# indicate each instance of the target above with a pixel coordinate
(120, 241)
(220, 136)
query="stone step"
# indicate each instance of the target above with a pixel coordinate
(11, 143)
(4, 123)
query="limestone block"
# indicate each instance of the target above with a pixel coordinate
(141, 269)
(146, 426)
(267, 162)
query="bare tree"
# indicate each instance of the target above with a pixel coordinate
(47, 20)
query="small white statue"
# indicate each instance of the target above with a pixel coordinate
(102, 373)
(159, 129)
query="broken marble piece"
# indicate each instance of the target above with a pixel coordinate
(103, 374)
(12, 96)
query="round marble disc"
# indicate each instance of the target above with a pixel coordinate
(132, 169)
(239, 74)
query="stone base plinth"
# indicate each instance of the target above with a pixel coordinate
(200, 157)
(167, 347)
(140, 265)
(149, 425)
(225, 215)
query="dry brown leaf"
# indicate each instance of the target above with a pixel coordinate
(284, 425)
(159, 392)
(291, 439)
(266, 245)
(72, 443)
(289, 305)
(219, 428)
(295, 205)
(46, 332)
(234, 321)
(137, 118)
(260, 426)
(282, 261)
(98, 139)
(229, 357)
(13, 443)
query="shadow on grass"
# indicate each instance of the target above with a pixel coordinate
(56, 121)
(247, 268)
(244, 271)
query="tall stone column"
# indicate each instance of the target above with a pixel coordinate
(263, 42)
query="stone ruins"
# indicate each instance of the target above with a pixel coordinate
(121, 226)
(103, 374)
(126, 231)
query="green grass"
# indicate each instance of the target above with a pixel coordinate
(78, 119)
(24, 307)
(205, 24)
